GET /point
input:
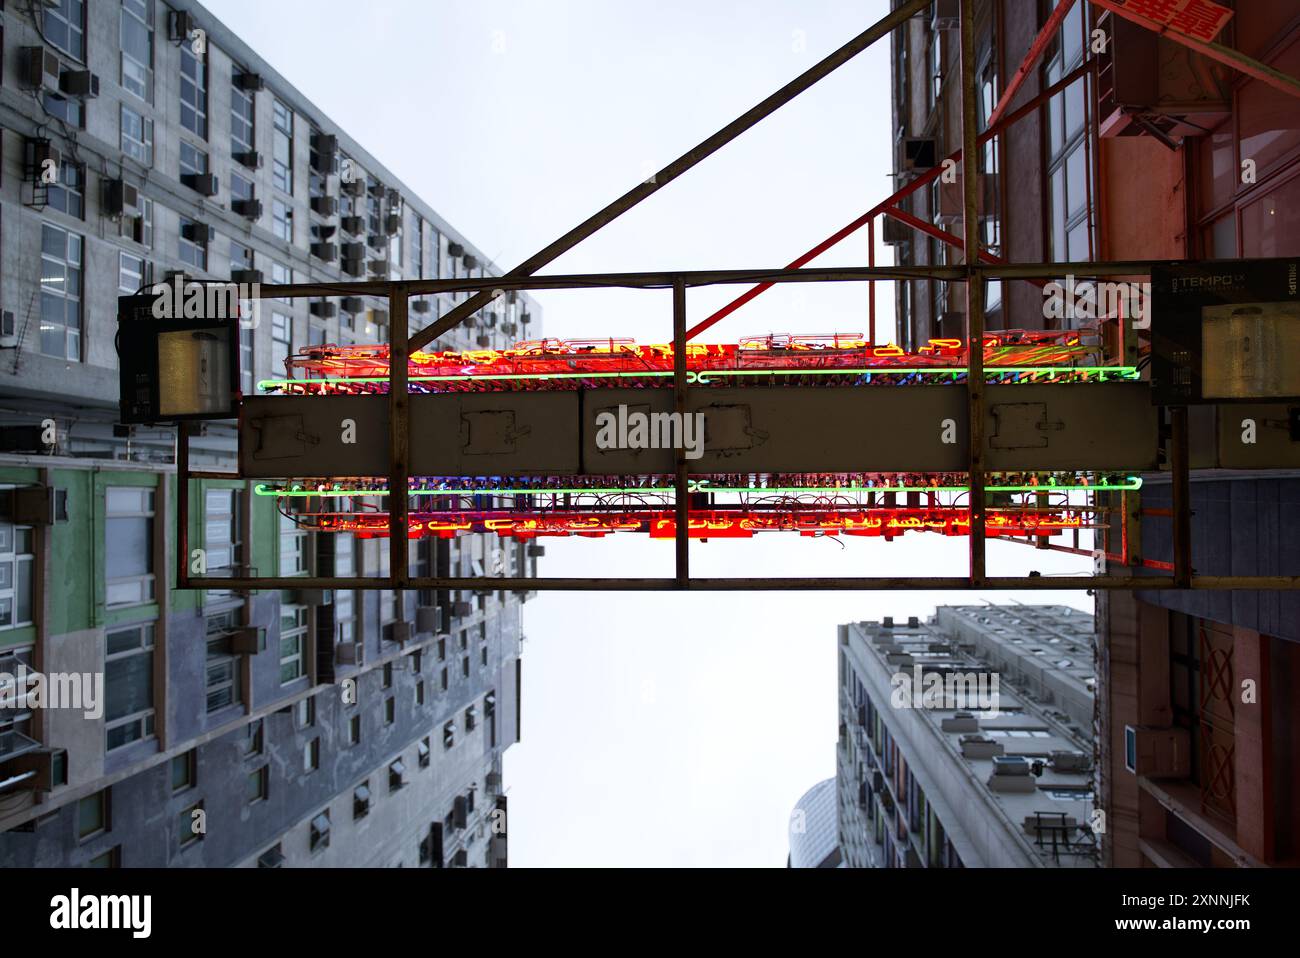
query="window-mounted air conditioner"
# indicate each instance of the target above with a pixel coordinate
(120, 198)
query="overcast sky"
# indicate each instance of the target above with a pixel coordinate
(658, 729)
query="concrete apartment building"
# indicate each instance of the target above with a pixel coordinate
(946, 781)
(141, 139)
(1198, 162)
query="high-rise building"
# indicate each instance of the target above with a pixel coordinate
(814, 835)
(1191, 160)
(966, 740)
(143, 139)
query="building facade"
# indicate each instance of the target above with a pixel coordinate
(1152, 152)
(966, 741)
(139, 140)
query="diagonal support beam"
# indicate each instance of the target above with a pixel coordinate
(898, 195)
(686, 161)
(1032, 56)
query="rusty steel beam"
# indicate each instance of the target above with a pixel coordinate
(742, 584)
(974, 296)
(682, 164)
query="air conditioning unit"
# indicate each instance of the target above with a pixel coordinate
(471, 261)
(536, 550)
(180, 25)
(38, 505)
(47, 768)
(895, 232)
(421, 306)
(249, 209)
(960, 722)
(249, 82)
(38, 69)
(484, 341)
(198, 232)
(392, 224)
(510, 329)
(978, 747)
(428, 619)
(1150, 85)
(40, 153)
(352, 250)
(323, 307)
(490, 320)
(455, 249)
(348, 653)
(379, 268)
(353, 266)
(120, 198)
(356, 187)
(952, 201)
(326, 251)
(313, 598)
(947, 15)
(399, 632)
(246, 276)
(379, 317)
(356, 225)
(1157, 752)
(324, 205)
(460, 610)
(247, 641)
(251, 159)
(1011, 773)
(8, 330)
(324, 142)
(79, 84)
(917, 153)
(205, 184)
(1070, 761)
(353, 304)
(525, 319)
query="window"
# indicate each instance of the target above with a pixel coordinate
(281, 341)
(246, 360)
(71, 110)
(273, 857)
(255, 738)
(110, 859)
(293, 636)
(444, 679)
(255, 789)
(354, 730)
(64, 27)
(464, 666)
(132, 272)
(388, 675)
(320, 831)
(423, 750)
(282, 219)
(189, 825)
(311, 756)
(390, 710)
(419, 693)
(282, 148)
(194, 162)
(128, 685)
(60, 293)
(242, 118)
(68, 194)
(240, 188)
(361, 801)
(449, 735)
(396, 776)
(92, 815)
(137, 48)
(471, 718)
(1069, 148)
(128, 545)
(417, 245)
(221, 530)
(194, 92)
(183, 771)
(222, 681)
(293, 547)
(137, 136)
(305, 713)
(138, 228)
(193, 244)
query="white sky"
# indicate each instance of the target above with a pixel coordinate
(658, 729)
